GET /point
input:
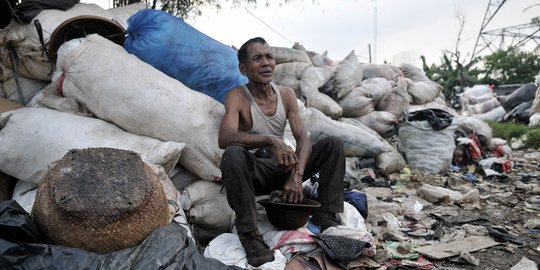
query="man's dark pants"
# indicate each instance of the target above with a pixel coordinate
(246, 176)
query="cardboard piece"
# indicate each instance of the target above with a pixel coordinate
(454, 248)
(8, 105)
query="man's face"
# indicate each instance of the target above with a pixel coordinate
(260, 63)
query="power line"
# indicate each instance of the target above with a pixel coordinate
(267, 25)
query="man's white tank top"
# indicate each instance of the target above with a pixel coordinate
(267, 125)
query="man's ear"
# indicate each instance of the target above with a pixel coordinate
(242, 68)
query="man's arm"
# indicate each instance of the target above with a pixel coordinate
(303, 143)
(292, 190)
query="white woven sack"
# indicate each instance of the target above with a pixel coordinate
(534, 120)
(381, 121)
(357, 141)
(378, 87)
(29, 88)
(427, 150)
(396, 101)
(312, 79)
(356, 103)
(348, 75)
(289, 74)
(535, 108)
(118, 87)
(34, 63)
(32, 138)
(287, 55)
(423, 92)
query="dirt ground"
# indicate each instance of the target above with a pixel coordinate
(507, 201)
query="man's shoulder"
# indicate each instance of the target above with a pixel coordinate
(236, 92)
(285, 90)
(236, 95)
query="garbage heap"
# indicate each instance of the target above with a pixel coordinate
(522, 105)
(68, 82)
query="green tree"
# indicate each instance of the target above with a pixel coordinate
(192, 8)
(451, 73)
(510, 66)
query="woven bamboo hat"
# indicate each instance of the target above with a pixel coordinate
(100, 199)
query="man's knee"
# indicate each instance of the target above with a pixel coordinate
(234, 154)
(333, 143)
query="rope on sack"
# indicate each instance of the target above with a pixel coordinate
(44, 49)
(14, 58)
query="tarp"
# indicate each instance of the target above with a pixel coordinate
(166, 248)
(182, 52)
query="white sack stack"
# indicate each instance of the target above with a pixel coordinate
(32, 138)
(118, 87)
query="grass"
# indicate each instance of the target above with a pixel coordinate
(533, 138)
(509, 130)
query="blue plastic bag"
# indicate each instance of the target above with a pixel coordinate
(182, 52)
(358, 200)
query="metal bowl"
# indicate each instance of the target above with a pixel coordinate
(289, 216)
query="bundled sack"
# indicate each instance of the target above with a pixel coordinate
(357, 103)
(535, 108)
(526, 92)
(520, 113)
(206, 207)
(320, 60)
(428, 144)
(142, 100)
(387, 162)
(182, 52)
(312, 79)
(495, 115)
(378, 87)
(390, 161)
(31, 138)
(384, 123)
(396, 101)
(357, 141)
(423, 91)
(386, 71)
(33, 62)
(475, 100)
(290, 74)
(484, 107)
(21, 89)
(414, 73)
(287, 55)
(49, 98)
(534, 120)
(100, 200)
(348, 75)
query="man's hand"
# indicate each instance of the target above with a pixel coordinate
(285, 155)
(292, 190)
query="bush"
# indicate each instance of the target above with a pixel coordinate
(508, 130)
(533, 139)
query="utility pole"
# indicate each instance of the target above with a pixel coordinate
(374, 32)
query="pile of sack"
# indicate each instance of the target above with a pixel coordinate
(521, 105)
(159, 91)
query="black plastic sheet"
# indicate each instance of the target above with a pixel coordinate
(166, 248)
(437, 118)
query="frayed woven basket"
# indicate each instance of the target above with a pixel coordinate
(100, 200)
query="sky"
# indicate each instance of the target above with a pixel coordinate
(397, 31)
